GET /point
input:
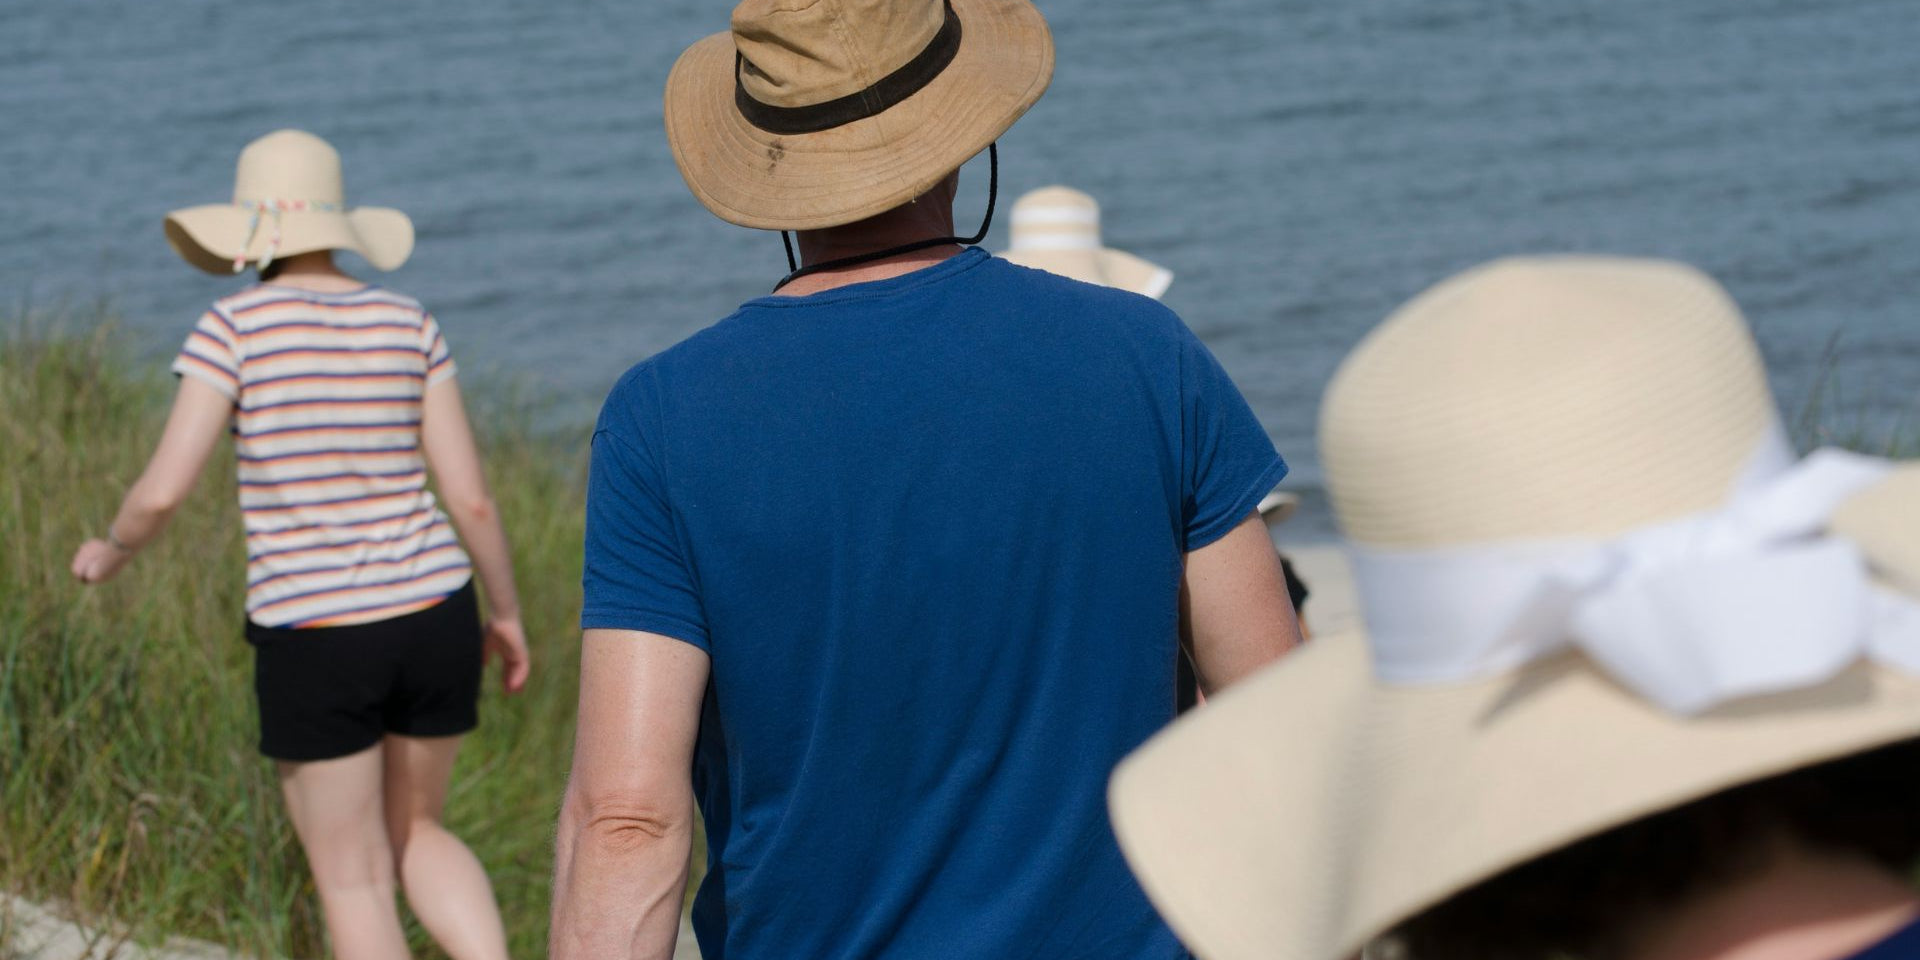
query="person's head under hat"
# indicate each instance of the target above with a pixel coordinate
(1057, 229)
(1636, 682)
(852, 138)
(289, 201)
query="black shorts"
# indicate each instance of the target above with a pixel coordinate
(327, 692)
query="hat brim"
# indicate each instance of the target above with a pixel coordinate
(1311, 809)
(1102, 265)
(1276, 507)
(210, 236)
(754, 178)
(1885, 521)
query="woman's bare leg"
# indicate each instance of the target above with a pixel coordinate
(445, 883)
(337, 808)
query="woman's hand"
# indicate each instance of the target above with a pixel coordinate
(506, 641)
(447, 441)
(199, 418)
(97, 561)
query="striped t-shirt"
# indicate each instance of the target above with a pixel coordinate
(327, 392)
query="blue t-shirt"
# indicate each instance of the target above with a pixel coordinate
(1904, 944)
(929, 531)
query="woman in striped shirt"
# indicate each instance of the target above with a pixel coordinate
(340, 397)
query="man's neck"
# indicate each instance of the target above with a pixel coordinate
(930, 217)
(1804, 907)
(882, 269)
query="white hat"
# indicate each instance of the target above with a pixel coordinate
(1597, 584)
(1277, 506)
(1057, 229)
(288, 198)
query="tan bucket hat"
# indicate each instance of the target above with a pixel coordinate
(1596, 582)
(287, 199)
(812, 115)
(1057, 229)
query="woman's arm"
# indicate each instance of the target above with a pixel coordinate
(200, 415)
(447, 440)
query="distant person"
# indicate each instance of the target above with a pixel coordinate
(1638, 682)
(1057, 229)
(340, 396)
(842, 585)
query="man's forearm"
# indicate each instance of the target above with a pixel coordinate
(619, 880)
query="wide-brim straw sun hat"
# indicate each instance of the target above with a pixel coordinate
(1597, 584)
(288, 199)
(1057, 229)
(805, 116)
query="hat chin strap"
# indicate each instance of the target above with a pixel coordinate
(795, 271)
(1748, 598)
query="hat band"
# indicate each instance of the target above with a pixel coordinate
(1055, 241)
(1752, 597)
(295, 206)
(1056, 216)
(274, 208)
(889, 91)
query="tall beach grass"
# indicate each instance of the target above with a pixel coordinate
(1829, 417)
(131, 791)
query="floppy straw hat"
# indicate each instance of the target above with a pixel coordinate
(1596, 582)
(1057, 229)
(811, 115)
(287, 199)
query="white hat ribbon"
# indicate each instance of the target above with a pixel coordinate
(276, 208)
(1749, 598)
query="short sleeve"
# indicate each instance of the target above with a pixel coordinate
(434, 343)
(212, 354)
(636, 574)
(1229, 462)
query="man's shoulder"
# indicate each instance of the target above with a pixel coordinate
(1114, 311)
(634, 389)
(642, 388)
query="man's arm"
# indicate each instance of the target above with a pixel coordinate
(626, 825)
(1235, 616)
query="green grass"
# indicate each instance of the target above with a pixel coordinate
(130, 787)
(1829, 418)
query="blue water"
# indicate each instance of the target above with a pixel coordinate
(1302, 167)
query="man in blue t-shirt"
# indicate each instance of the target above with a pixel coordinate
(887, 570)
